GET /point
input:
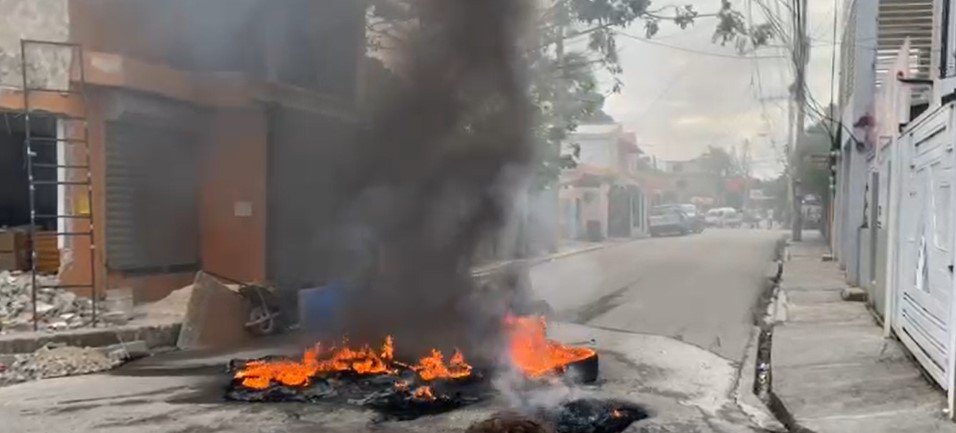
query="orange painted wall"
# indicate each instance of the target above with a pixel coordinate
(233, 172)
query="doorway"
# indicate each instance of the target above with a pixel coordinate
(14, 179)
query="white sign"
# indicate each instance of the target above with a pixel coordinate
(242, 209)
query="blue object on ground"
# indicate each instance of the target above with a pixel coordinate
(319, 306)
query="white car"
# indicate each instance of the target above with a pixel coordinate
(723, 217)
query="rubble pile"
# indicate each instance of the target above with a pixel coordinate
(56, 308)
(51, 361)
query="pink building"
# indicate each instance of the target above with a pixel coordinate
(602, 197)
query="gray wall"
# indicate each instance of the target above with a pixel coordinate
(854, 166)
(34, 19)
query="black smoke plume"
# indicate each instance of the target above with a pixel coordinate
(438, 169)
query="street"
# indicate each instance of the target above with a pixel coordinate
(669, 316)
(698, 289)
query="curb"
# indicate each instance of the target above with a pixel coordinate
(154, 335)
(601, 246)
(558, 256)
(534, 261)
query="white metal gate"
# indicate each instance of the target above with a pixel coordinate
(925, 277)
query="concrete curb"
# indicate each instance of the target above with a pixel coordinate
(767, 314)
(558, 256)
(601, 246)
(534, 261)
(774, 314)
(153, 334)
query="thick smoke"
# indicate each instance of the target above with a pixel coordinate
(439, 168)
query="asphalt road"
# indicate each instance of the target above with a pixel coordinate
(698, 288)
(669, 318)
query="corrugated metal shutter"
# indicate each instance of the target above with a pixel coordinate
(151, 198)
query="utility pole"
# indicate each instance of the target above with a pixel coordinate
(561, 102)
(745, 171)
(800, 57)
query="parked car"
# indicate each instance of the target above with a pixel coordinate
(669, 218)
(732, 219)
(723, 217)
(696, 218)
(713, 216)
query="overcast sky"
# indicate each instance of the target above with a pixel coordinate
(680, 102)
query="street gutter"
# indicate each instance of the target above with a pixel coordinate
(765, 318)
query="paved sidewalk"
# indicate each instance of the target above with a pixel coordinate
(566, 248)
(832, 368)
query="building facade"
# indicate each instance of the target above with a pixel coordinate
(604, 196)
(894, 173)
(215, 131)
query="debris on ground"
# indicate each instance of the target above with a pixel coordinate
(215, 316)
(509, 423)
(173, 306)
(58, 361)
(57, 308)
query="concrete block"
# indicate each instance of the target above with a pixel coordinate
(215, 316)
(854, 294)
(811, 297)
(829, 312)
(819, 391)
(129, 350)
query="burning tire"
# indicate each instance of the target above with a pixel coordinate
(583, 371)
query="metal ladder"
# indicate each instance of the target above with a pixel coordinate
(69, 175)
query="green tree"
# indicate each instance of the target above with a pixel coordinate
(723, 166)
(563, 88)
(814, 176)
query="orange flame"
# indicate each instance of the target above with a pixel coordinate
(433, 366)
(617, 414)
(363, 361)
(535, 355)
(423, 393)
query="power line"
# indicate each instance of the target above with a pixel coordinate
(690, 50)
(665, 90)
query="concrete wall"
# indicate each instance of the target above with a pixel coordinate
(855, 168)
(852, 212)
(305, 43)
(46, 20)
